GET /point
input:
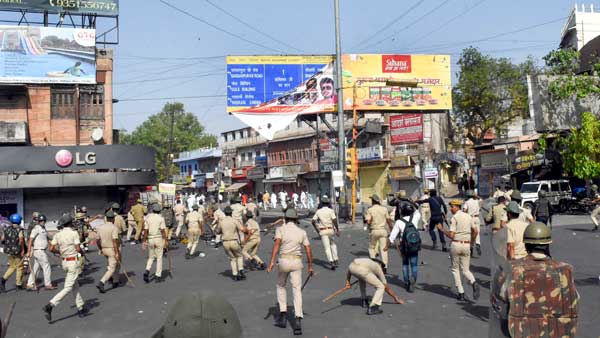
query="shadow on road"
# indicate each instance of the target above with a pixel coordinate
(479, 311)
(587, 281)
(89, 305)
(481, 270)
(581, 229)
(439, 289)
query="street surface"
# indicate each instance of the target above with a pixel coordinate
(432, 311)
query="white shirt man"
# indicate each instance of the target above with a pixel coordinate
(399, 226)
(303, 200)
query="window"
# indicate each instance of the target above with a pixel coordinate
(554, 187)
(245, 133)
(544, 187)
(196, 167)
(62, 103)
(564, 186)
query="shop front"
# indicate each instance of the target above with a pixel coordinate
(285, 178)
(493, 165)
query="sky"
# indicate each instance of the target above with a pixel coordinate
(164, 53)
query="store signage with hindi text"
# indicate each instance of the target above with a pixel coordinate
(406, 128)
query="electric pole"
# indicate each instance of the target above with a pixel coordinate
(340, 101)
(170, 147)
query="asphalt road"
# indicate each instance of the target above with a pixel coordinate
(432, 311)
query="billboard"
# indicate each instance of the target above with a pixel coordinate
(103, 7)
(406, 128)
(47, 55)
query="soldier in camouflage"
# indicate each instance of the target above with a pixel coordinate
(535, 296)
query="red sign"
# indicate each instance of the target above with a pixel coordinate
(396, 64)
(406, 128)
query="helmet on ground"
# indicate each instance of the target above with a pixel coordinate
(291, 213)
(15, 219)
(42, 218)
(537, 233)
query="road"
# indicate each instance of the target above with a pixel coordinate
(432, 311)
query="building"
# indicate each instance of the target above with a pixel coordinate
(58, 151)
(582, 26)
(199, 169)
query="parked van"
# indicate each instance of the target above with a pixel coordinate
(558, 193)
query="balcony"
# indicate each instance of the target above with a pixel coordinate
(244, 142)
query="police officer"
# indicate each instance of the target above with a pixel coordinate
(138, 211)
(515, 248)
(472, 207)
(370, 271)
(169, 216)
(535, 296)
(289, 240)
(154, 237)
(326, 225)
(498, 215)
(179, 210)
(230, 228)
(82, 227)
(425, 211)
(194, 226)
(252, 241)
(238, 211)
(108, 245)
(119, 220)
(218, 216)
(37, 245)
(252, 207)
(378, 218)
(14, 247)
(66, 242)
(462, 233)
(525, 214)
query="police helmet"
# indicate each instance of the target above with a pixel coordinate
(291, 213)
(115, 206)
(228, 211)
(110, 214)
(65, 220)
(537, 233)
(156, 208)
(42, 218)
(15, 219)
(195, 207)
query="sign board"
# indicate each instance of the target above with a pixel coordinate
(495, 159)
(402, 173)
(256, 173)
(401, 161)
(369, 153)
(104, 7)
(406, 128)
(527, 160)
(33, 54)
(337, 178)
(167, 189)
(431, 172)
(407, 149)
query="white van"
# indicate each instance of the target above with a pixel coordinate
(558, 193)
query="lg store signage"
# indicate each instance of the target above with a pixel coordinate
(64, 158)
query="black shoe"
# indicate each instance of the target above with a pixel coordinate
(336, 263)
(282, 320)
(434, 246)
(461, 297)
(48, 311)
(411, 284)
(365, 303)
(187, 254)
(237, 278)
(475, 290)
(3, 285)
(82, 312)
(332, 266)
(158, 279)
(100, 287)
(478, 247)
(261, 266)
(116, 285)
(298, 326)
(407, 286)
(374, 310)
(242, 274)
(444, 248)
(20, 287)
(147, 276)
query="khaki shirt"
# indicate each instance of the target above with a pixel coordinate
(120, 223)
(218, 216)
(499, 214)
(324, 217)
(179, 209)
(238, 211)
(194, 220)
(378, 215)
(107, 233)
(462, 224)
(153, 225)
(229, 228)
(138, 212)
(253, 229)
(472, 207)
(252, 208)
(292, 239)
(66, 240)
(367, 266)
(266, 197)
(516, 229)
(525, 215)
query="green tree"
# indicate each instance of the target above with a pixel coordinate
(490, 94)
(188, 134)
(581, 154)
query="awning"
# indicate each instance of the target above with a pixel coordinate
(235, 187)
(280, 180)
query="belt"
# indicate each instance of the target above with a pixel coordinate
(228, 240)
(39, 249)
(325, 228)
(68, 259)
(290, 256)
(463, 242)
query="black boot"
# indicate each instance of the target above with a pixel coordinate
(332, 265)
(478, 247)
(261, 266)
(444, 247)
(475, 290)
(48, 311)
(434, 246)
(298, 326)
(461, 297)
(147, 276)
(365, 303)
(3, 285)
(242, 274)
(159, 279)
(282, 320)
(336, 263)
(82, 312)
(187, 254)
(237, 278)
(100, 287)
(374, 310)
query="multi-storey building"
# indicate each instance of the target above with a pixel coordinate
(199, 168)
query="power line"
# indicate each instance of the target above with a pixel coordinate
(253, 28)
(388, 25)
(171, 98)
(219, 28)
(195, 76)
(162, 58)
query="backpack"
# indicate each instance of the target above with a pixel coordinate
(11, 241)
(411, 240)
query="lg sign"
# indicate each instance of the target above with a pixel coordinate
(64, 158)
(396, 63)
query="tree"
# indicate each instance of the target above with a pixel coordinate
(490, 94)
(188, 134)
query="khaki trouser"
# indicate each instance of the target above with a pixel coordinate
(594, 216)
(234, 252)
(327, 237)
(155, 251)
(365, 276)
(111, 269)
(15, 264)
(425, 216)
(71, 284)
(139, 224)
(377, 242)
(477, 223)
(193, 239)
(461, 260)
(217, 236)
(249, 250)
(130, 227)
(179, 220)
(291, 267)
(40, 260)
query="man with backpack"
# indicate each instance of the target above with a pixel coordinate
(410, 244)
(438, 215)
(14, 246)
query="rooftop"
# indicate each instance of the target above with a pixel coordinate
(199, 154)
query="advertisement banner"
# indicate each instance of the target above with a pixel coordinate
(103, 7)
(47, 55)
(406, 128)
(167, 189)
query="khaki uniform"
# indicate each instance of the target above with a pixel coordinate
(179, 211)
(499, 216)
(325, 217)
(40, 244)
(194, 222)
(120, 224)
(525, 215)
(378, 216)
(290, 265)
(368, 271)
(266, 198)
(218, 216)
(66, 240)
(138, 214)
(108, 232)
(15, 264)
(252, 241)
(252, 207)
(230, 228)
(460, 250)
(154, 226)
(516, 229)
(473, 207)
(238, 212)
(131, 224)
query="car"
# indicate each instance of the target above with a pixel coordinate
(558, 193)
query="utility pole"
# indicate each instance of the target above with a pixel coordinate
(170, 147)
(340, 101)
